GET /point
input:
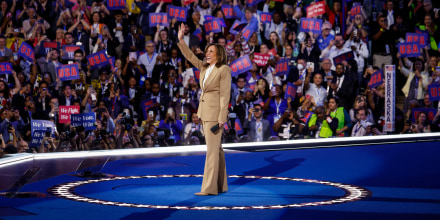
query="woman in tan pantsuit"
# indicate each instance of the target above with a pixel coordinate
(215, 82)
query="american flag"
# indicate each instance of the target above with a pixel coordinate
(389, 68)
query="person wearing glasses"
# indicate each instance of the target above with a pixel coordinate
(258, 127)
(149, 59)
(215, 81)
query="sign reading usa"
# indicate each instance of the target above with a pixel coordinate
(210, 17)
(68, 72)
(158, 19)
(180, 13)
(345, 56)
(247, 33)
(434, 92)
(26, 51)
(376, 79)
(5, 68)
(240, 65)
(430, 111)
(229, 12)
(98, 59)
(282, 67)
(290, 91)
(316, 9)
(147, 104)
(409, 49)
(265, 17)
(421, 38)
(311, 24)
(212, 26)
(115, 4)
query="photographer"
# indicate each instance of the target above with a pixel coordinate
(288, 125)
(47, 145)
(193, 129)
(10, 125)
(258, 127)
(174, 126)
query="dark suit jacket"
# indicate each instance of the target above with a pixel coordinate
(216, 92)
(252, 132)
(128, 42)
(346, 93)
(164, 101)
(62, 100)
(120, 104)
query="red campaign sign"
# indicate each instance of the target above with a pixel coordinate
(279, 0)
(261, 59)
(316, 9)
(187, 2)
(66, 111)
(434, 92)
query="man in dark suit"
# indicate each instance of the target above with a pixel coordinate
(42, 100)
(258, 127)
(116, 102)
(5, 53)
(134, 41)
(326, 72)
(66, 99)
(243, 104)
(134, 93)
(190, 40)
(343, 87)
(162, 100)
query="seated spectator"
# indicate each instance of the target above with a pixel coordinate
(173, 125)
(194, 128)
(258, 128)
(422, 124)
(360, 128)
(360, 103)
(321, 124)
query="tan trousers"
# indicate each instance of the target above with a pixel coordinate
(214, 176)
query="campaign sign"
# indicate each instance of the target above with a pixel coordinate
(234, 25)
(238, 127)
(311, 24)
(48, 46)
(251, 86)
(261, 59)
(290, 91)
(265, 17)
(111, 60)
(253, 2)
(430, 111)
(307, 116)
(282, 67)
(408, 49)
(87, 120)
(158, 19)
(198, 34)
(376, 79)
(5, 68)
(355, 10)
(69, 51)
(421, 38)
(98, 59)
(41, 125)
(26, 51)
(434, 92)
(247, 33)
(68, 72)
(417, 30)
(196, 74)
(115, 4)
(66, 111)
(212, 26)
(187, 2)
(316, 9)
(229, 12)
(180, 13)
(147, 104)
(345, 56)
(240, 65)
(210, 17)
(37, 138)
(390, 97)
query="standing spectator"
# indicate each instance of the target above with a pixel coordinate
(321, 124)
(382, 43)
(334, 49)
(416, 83)
(360, 128)
(194, 128)
(149, 59)
(343, 87)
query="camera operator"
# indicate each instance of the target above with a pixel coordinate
(289, 125)
(194, 129)
(174, 126)
(10, 125)
(258, 127)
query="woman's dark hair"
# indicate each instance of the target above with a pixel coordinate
(418, 60)
(222, 58)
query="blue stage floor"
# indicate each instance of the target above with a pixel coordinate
(397, 181)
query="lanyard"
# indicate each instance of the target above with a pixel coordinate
(302, 75)
(150, 60)
(277, 106)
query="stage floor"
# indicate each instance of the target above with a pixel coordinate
(385, 181)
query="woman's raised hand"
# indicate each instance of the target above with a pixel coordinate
(181, 31)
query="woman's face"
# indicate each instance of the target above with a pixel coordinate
(289, 50)
(422, 118)
(273, 37)
(332, 104)
(211, 55)
(219, 14)
(428, 21)
(263, 49)
(418, 65)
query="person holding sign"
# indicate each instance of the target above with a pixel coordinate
(215, 81)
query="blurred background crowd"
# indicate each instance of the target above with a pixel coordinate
(331, 99)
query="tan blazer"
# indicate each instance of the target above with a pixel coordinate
(214, 100)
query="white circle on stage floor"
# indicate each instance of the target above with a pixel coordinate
(352, 193)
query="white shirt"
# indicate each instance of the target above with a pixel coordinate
(319, 94)
(145, 60)
(208, 72)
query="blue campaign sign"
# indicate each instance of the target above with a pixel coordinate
(421, 38)
(238, 127)
(234, 25)
(247, 33)
(158, 19)
(311, 24)
(265, 17)
(5, 68)
(434, 92)
(115, 4)
(430, 111)
(240, 65)
(68, 72)
(26, 51)
(253, 2)
(282, 67)
(408, 49)
(196, 74)
(69, 51)
(290, 91)
(98, 59)
(48, 46)
(41, 125)
(37, 138)
(180, 13)
(87, 120)
(210, 17)
(229, 12)
(376, 79)
(146, 104)
(198, 34)
(307, 116)
(345, 56)
(212, 26)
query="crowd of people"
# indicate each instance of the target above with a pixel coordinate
(331, 100)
